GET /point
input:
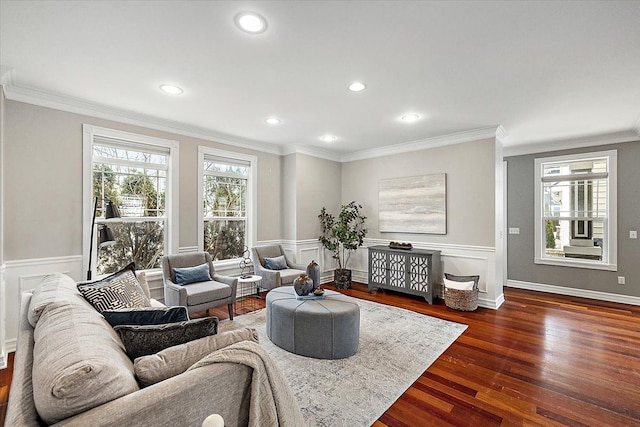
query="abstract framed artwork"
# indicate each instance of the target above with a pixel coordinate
(414, 204)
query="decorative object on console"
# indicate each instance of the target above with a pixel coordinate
(400, 245)
(313, 271)
(342, 235)
(245, 263)
(461, 292)
(303, 285)
(414, 204)
(105, 235)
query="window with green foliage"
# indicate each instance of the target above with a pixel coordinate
(226, 203)
(134, 176)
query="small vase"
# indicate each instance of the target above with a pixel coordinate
(313, 271)
(303, 285)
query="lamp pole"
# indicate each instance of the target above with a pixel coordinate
(93, 224)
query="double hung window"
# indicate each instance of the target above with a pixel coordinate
(134, 172)
(227, 220)
(575, 210)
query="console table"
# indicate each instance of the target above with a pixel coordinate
(413, 271)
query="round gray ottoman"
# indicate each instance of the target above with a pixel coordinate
(327, 328)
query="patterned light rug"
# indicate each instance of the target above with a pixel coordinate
(396, 347)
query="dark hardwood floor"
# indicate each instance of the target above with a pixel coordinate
(540, 360)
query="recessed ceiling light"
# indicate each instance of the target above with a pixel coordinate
(357, 86)
(328, 138)
(409, 118)
(272, 121)
(174, 90)
(251, 22)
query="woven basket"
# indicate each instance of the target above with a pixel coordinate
(461, 300)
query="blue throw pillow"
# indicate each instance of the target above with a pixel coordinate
(195, 274)
(276, 263)
(148, 316)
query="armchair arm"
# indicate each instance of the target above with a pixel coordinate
(270, 278)
(174, 294)
(227, 280)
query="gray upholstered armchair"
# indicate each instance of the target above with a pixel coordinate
(274, 278)
(197, 296)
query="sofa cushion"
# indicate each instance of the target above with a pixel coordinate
(175, 360)
(204, 292)
(78, 361)
(143, 340)
(276, 263)
(186, 275)
(119, 290)
(146, 315)
(54, 287)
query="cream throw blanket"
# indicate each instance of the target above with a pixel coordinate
(272, 402)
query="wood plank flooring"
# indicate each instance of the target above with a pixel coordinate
(540, 360)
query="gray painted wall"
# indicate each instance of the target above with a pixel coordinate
(520, 213)
(43, 172)
(318, 183)
(470, 170)
(289, 196)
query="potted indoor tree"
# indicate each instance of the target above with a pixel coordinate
(342, 235)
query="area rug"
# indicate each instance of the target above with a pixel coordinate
(396, 347)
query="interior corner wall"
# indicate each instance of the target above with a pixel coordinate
(289, 197)
(521, 214)
(318, 185)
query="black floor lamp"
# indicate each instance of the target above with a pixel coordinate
(105, 235)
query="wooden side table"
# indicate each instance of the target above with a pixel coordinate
(248, 288)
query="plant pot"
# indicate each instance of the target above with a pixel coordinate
(342, 278)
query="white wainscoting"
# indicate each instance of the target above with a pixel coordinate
(21, 275)
(456, 259)
(24, 275)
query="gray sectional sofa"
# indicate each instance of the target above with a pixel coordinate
(71, 369)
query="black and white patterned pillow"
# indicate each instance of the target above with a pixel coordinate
(120, 290)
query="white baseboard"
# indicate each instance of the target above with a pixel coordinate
(574, 292)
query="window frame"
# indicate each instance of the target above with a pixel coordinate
(133, 140)
(610, 242)
(251, 202)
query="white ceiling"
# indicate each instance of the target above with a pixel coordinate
(545, 71)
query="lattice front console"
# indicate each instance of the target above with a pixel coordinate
(414, 271)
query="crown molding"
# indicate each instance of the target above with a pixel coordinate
(628, 135)
(78, 106)
(422, 144)
(311, 151)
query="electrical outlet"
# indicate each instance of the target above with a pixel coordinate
(514, 230)
(620, 280)
(633, 234)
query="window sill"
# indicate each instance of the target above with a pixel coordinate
(574, 263)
